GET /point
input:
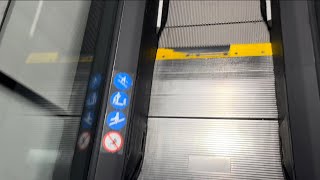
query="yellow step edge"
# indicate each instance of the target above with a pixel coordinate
(235, 50)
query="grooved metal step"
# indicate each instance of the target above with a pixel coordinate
(231, 87)
(249, 149)
(188, 13)
(214, 35)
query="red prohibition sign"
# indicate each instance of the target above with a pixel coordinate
(84, 140)
(112, 142)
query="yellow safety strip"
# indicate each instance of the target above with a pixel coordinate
(235, 50)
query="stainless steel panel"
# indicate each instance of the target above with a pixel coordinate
(251, 145)
(214, 35)
(186, 12)
(234, 88)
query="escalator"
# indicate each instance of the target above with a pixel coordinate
(165, 89)
(213, 110)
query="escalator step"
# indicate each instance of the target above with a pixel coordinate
(179, 148)
(189, 13)
(213, 118)
(230, 87)
(214, 35)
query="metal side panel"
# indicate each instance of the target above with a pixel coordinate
(301, 75)
(180, 148)
(214, 35)
(188, 13)
(229, 88)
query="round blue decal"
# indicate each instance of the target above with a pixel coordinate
(116, 120)
(119, 100)
(95, 81)
(122, 81)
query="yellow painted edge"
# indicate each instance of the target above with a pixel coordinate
(236, 50)
(247, 50)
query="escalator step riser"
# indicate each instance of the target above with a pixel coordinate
(189, 13)
(214, 35)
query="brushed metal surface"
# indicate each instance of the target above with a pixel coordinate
(214, 35)
(231, 88)
(188, 13)
(251, 145)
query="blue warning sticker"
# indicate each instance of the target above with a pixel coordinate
(122, 81)
(92, 99)
(95, 81)
(88, 119)
(117, 112)
(119, 100)
(116, 120)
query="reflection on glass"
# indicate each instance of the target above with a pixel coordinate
(44, 68)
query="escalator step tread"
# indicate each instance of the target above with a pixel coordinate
(231, 87)
(249, 149)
